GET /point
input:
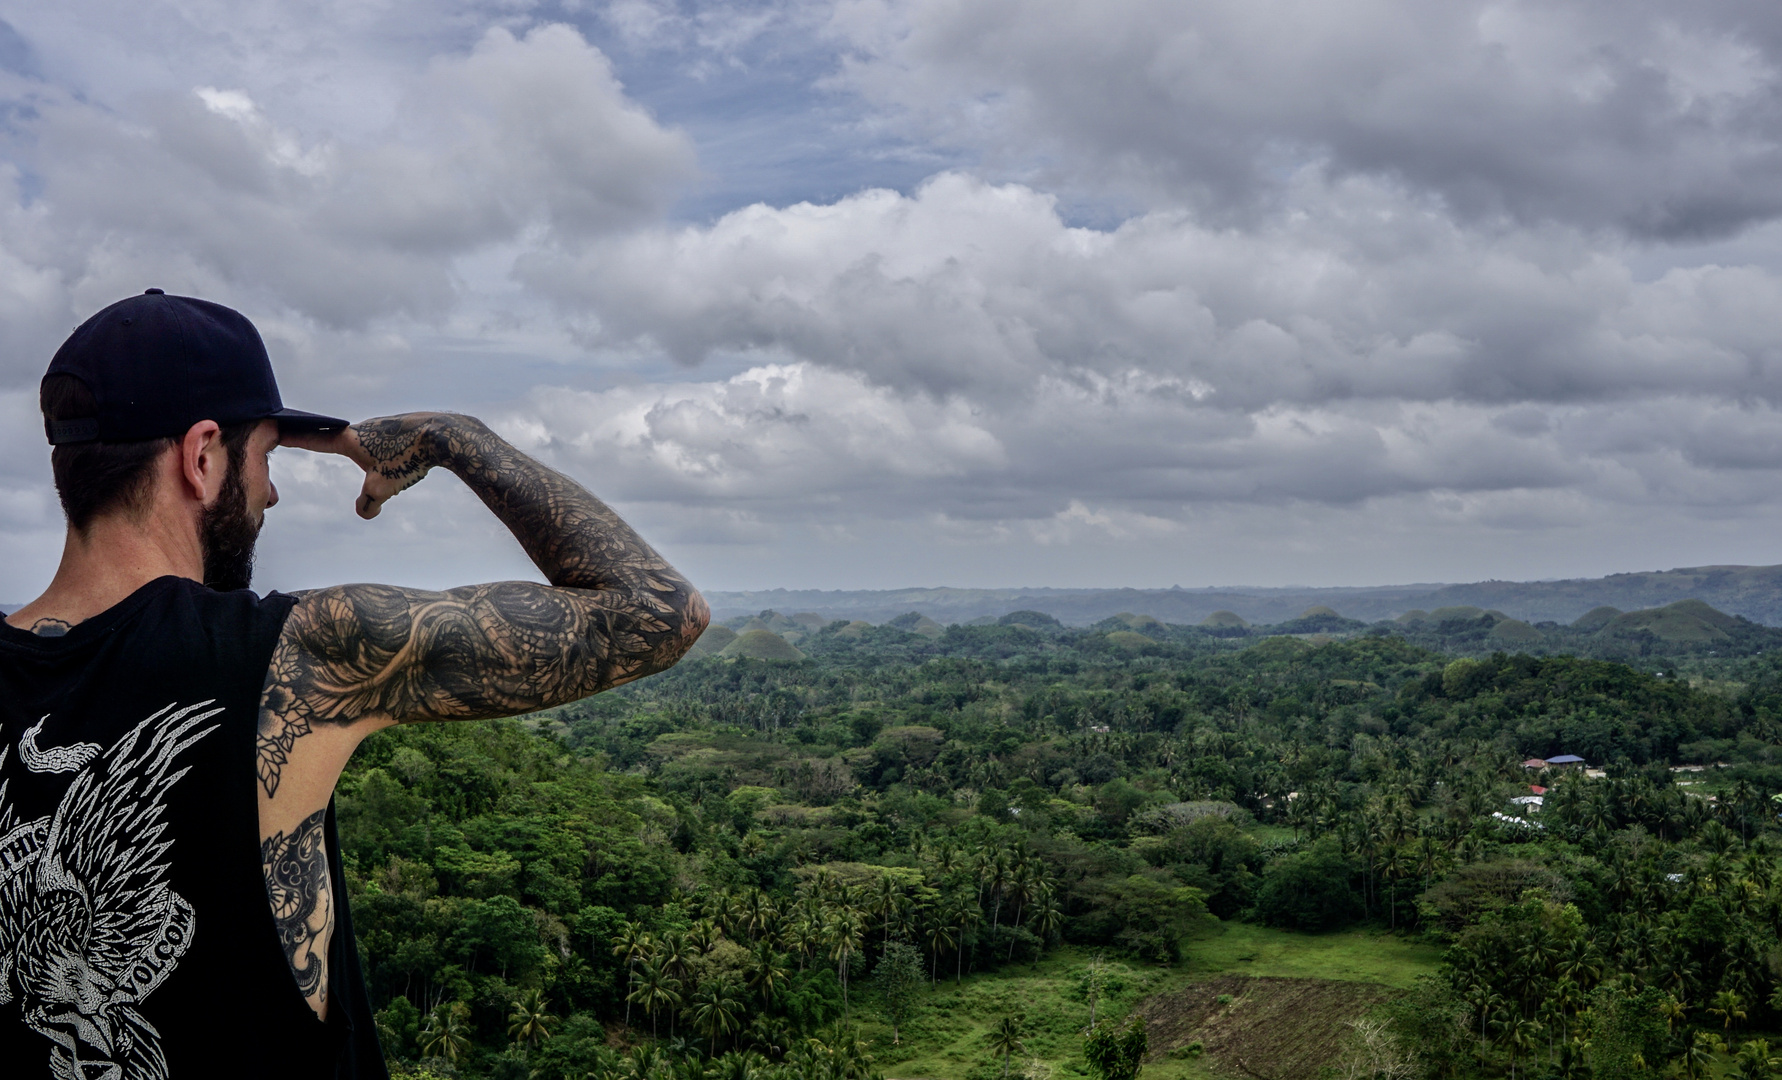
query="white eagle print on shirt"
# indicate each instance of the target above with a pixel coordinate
(88, 924)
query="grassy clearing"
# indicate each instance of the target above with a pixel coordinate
(1270, 834)
(946, 1038)
(1354, 955)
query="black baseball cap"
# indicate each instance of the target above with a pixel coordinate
(157, 364)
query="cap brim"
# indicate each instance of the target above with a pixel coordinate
(298, 420)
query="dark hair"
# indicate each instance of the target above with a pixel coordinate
(98, 478)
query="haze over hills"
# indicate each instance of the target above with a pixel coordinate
(1754, 592)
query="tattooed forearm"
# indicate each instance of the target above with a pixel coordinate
(614, 611)
(296, 869)
(573, 537)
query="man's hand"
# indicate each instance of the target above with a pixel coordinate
(394, 451)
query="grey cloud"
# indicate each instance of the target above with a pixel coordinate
(1380, 319)
(796, 443)
(520, 137)
(978, 290)
(1656, 119)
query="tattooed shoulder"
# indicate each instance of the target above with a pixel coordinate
(51, 627)
(296, 869)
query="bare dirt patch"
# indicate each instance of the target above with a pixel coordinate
(1271, 1029)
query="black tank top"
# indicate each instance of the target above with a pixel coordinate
(136, 940)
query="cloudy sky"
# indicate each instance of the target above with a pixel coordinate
(876, 293)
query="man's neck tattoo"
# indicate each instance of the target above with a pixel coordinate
(51, 627)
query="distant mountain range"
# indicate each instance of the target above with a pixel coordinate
(1754, 592)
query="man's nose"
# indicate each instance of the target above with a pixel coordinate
(271, 499)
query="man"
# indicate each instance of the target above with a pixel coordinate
(171, 898)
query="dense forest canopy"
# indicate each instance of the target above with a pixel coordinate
(755, 868)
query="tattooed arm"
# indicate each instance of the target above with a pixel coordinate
(296, 869)
(355, 658)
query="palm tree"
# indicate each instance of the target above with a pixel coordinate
(1567, 998)
(885, 899)
(802, 937)
(530, 1020)
(715, 1011)
(703, 935)
(1729, 1007)
(758, 913)
(940, 936)
(1046, 918)
(997, 878)
(721, 910)
(766, 972)
(1673, 1010)
(673, 952)
(447, 1032)
(632, 945)
(1754, 1061)
(964, 917)
(1023, 885)
(1698, 1056)
(656, 989)
(641, 1063)
(1005, 1039)
(843, 933)
(1523, 1035)
(738, 1065)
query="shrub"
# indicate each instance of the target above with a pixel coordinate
(1313, 890)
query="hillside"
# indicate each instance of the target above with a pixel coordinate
(1684, 630)
(1754, 592)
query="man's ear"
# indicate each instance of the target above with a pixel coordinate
(203, 462)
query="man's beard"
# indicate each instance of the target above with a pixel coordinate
(227, 534)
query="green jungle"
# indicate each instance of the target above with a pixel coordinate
(837, 851)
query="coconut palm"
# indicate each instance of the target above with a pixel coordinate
(887, 894)
(1697, 1059)
(843, 935)
(1024, 885)
(531, 1018)
(1046, 918)
(643, 1062)
(631, 945)
(963, 917)
(672, 952)
(720, 908)
(1673, 1011)
(1522, 1037)
(656, 990)
(996, 876)
(766, 973)
(703, 935)
(1005, 1039)
(715, 1010)
(1754, 1061)
(738, 1065)
(758, 913)
(447, 1032)
(1729, 1007)
(940, 936)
